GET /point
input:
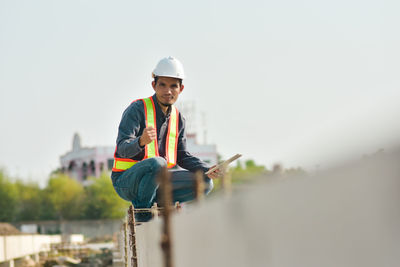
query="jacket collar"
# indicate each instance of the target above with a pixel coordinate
(158, 108)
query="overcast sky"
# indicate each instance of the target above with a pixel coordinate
(296, 82)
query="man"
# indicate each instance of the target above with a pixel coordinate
(151, 135)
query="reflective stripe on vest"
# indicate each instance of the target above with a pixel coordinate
(151, 149)
(172, 138)
(121, 164)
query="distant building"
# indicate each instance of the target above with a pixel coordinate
(204, 151)
(83, 162)
(207, 153)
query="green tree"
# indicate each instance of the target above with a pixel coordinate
(8, 199)
(29, 201)
(66, 196)
(102, 202)
(242, 173)
(47, 208)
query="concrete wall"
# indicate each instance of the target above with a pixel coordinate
(92, 228)
(147, 239)
(348, 216)
(2, 250)
(89, 228)
(17, 246)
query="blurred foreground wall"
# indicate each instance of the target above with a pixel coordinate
(17, 246)
(88, 228)
(348, 216)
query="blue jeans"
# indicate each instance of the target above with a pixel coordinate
(139, 183)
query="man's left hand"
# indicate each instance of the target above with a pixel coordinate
(215, 174)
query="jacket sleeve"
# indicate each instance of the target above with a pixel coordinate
(129, 131)
(184, 158)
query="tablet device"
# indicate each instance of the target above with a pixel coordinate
(224, 163)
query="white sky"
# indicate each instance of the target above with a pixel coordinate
(297, 82)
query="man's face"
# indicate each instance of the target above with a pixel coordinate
(167, 90)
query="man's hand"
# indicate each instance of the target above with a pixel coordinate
(148, 135)
(215, 174)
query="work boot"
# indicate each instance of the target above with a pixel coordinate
(143, 216)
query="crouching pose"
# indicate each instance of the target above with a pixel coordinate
(151, 135)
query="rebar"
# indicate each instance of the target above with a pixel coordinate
(199, 185)
(132, 236)
(166, 202)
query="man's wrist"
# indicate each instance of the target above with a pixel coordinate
(140, 142)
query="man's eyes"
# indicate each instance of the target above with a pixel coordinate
(172, 86)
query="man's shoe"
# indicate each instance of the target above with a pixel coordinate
(143, 216)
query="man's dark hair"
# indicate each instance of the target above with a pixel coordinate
(156, 79)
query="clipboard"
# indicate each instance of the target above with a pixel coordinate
(224, 163)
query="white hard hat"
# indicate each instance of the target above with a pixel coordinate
(169, 67)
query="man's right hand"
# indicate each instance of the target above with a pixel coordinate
(148, 135)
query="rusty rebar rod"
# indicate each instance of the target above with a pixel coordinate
(155, 210)
(166, 202)
(132, 236)
(199, 185)
(226, 182)
(178, 206)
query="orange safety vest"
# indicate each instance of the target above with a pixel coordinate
(151, 149)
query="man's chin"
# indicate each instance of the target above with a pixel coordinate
(167, 104)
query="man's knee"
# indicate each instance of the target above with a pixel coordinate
(157, 163)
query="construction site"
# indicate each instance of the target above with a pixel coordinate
(199, 133)
(346, 216)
